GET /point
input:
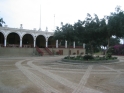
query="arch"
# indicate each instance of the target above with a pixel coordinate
(42, 35)
(1, 38)
(51, 42)
(27, 40)
(29, 34)
(13, 38)
(40, 41)
(14, 32)
(3, 33)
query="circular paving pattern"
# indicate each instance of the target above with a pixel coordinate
(50, 75)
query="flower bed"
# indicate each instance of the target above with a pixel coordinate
(89, 59)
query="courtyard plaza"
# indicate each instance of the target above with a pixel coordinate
(49, 74)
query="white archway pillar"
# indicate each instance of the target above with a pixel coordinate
(20, 42)
(46, 43)
(5, 42)
(74, 44)
(56, 43)
(34, 43)
(65, 44)
(84, 45)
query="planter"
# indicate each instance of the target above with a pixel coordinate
(82, 61)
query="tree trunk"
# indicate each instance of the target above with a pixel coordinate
(69, 50)
(107, 47)
(91, 48)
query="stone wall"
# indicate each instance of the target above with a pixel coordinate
(25, 52)
(16, 51)
(65, 51)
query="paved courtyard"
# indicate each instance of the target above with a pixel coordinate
(51, 75)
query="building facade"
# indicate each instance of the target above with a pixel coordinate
(24, 38)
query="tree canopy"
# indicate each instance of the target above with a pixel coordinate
(1, 22)
(94, 31)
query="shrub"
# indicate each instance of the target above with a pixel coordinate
(109, 55)
(88, 57)
(72, 57)
(66, 57)
(97, 56)
(81, 53)
(106, 58)
(114, 57)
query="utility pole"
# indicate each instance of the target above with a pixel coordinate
(54, 22)
(40, 18)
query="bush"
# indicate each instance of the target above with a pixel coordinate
(107, 58)
(114, 57)
(72, 57)
(88, 57)
(66, 57)
(109, 55)
(81, 53)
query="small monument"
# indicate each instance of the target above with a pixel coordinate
(21, 26)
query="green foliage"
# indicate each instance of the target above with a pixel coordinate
(66, 57)
(88, 57)
(66, 32)
(93, 31)
(91, 58)
(109, 55)
(1, 22)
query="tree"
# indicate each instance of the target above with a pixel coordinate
(91, 33)
(1, 22)
(66, 32)
(112, 25)
(116, 23)
(79, 30)
(114, 41)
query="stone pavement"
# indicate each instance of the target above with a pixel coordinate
(50, 75)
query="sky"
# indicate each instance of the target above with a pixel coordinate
(53, 12)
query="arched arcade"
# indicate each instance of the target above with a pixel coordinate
(1, 39)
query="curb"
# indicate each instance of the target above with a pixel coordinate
(79, 61)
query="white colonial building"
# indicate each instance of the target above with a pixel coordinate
(24, 38)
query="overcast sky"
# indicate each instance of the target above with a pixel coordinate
(27, 12)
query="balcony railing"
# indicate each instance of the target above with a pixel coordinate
(27, 45)
(12, 45)
(17, 45)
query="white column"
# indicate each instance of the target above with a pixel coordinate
(84, 45)
(56, 43)
(34, 43)
(4, 42)
(123, 40)
(65, 44)
(74, 44)
(46, 43)
(20, 42)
